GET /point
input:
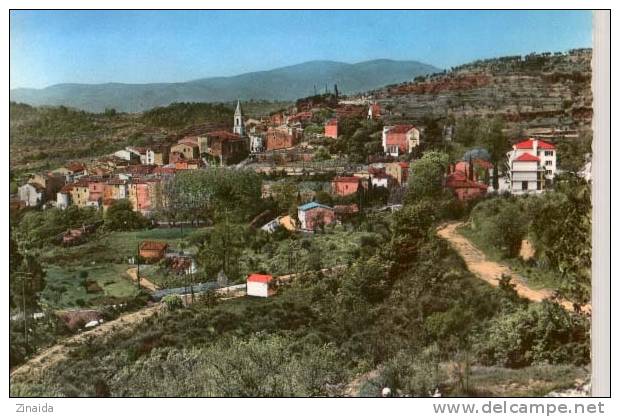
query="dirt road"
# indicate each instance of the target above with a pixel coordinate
(58, 352)
(491, 271)
(144, 282)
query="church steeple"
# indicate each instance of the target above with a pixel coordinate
(239, 127)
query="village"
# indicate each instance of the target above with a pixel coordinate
(277, 145)
(330, 188)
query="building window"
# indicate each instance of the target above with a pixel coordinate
(548, 163)
(524, 185)
(548, 172)
(548, 153)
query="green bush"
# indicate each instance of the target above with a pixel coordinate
(172, 302)
(541, 333)
(502, 223)
(411, 374)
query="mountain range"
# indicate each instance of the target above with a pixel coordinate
(282, 84)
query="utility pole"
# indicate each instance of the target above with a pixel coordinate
(191, 282)
(24, 311)
(226, 243)
(138, 269)
(23, 276)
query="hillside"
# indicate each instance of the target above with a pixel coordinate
(44, 137)
(538, 90)
(286, 83)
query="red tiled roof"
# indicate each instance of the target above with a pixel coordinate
(75, 166)
(260, 278)
(332, 122)
(140, 169)
(483, 164)
(164, 170)
(66, 188)
(83, 184)
(545, 145)
(459, 180)
(186, 143)
(529, 144)
(526, 157)
(302, 115)
(401, 129)
(153, 245)
(222, 134)
(189, 140)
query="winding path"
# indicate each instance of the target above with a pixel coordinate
(58, 352)
(491, 271)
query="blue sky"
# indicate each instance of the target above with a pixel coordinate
(50, 47)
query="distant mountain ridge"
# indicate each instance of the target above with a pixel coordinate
(285, 83)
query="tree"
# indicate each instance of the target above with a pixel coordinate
(209, 194)
(221, 249)
(426, 176)
(433, 132)
(323, 197)
(496, 143)
(37, 228)
(468, 131)
(561, 228)
(170, 206)
(285, 195)
(120, 216)
(321, 154)
(502, 223)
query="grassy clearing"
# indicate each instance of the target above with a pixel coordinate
(66, 285)
(536, 277)
(102, 259)
(113, 247)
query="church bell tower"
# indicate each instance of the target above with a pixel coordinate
(239, 127)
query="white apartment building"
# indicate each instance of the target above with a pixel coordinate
(532, 163)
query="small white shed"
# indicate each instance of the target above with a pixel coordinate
(259, 285)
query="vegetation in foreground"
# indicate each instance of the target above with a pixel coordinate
(406, 305)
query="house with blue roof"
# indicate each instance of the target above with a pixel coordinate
(313, 216)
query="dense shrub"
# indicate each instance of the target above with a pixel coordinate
(539, 333)
(502, 223)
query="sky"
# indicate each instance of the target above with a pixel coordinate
(51, 47)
